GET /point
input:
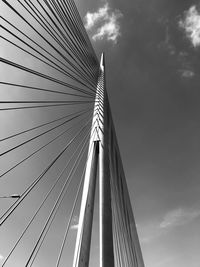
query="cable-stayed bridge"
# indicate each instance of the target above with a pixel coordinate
(64, 197)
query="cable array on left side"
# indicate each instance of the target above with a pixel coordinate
(48, 79)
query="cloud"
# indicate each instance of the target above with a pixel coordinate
(186, 69)
(179, 217)
(93, 18)
(75, 223)
(151, 231)
(104, 24)
(1, 257)
(74, 227)
(181, 58)
(187, 74)
(191, 24)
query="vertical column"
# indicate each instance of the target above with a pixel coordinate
(106, 234)
(101, 131)
(82, 256)
(83, 239)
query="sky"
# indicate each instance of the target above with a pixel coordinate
(152, 77)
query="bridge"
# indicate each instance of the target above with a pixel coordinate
(64, 196)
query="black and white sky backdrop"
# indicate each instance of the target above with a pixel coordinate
(152, 51)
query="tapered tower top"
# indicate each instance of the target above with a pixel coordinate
(102, 63)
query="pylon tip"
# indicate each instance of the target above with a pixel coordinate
(102, 63)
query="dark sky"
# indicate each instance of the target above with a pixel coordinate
(153, 85)
(152, 50)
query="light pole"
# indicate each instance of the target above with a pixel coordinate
(11, 196)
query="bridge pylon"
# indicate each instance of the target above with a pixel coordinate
(98, 149)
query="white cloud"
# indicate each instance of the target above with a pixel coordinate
(1, 257)
(191, 24)
(75, 223)
(104, 24)
(92, 18)
(187, 73)
(110, 30)
(74, 227)
(151, 231)
(179, 217)
(186, 69)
